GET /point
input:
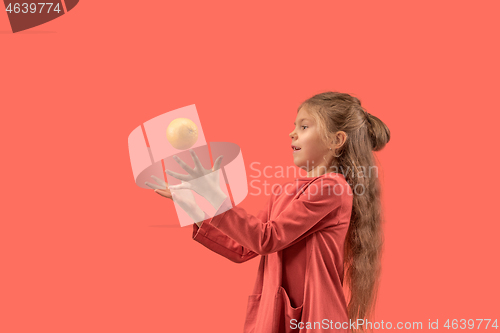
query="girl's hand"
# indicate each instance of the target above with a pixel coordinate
(203, 181)
(184, 198)
(162, 189)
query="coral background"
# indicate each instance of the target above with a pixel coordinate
(83, 249)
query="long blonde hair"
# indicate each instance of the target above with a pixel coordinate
(335, 111)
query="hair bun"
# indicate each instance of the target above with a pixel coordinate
(378, 131)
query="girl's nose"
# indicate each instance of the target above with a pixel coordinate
(292, 135)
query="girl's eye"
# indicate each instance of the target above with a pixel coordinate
(303, 126)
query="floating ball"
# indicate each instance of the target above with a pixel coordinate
(182, 133)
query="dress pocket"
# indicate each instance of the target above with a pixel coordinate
(251, 313)
(290, 315)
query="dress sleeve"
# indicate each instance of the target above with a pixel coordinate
(303, 216)
(215, 240)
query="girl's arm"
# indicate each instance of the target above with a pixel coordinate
(203, 232)
(299, 219)
(219, 242)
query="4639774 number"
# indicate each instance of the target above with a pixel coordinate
(470, 324)
(33, 7)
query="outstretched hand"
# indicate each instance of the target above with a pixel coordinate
(184, 198)
(161, 188)
(203, 181)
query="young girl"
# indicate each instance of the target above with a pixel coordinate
(314, 231)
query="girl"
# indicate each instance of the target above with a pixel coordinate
(327, 227)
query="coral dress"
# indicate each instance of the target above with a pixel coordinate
(300, 236)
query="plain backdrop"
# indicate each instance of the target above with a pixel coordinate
(84, 249)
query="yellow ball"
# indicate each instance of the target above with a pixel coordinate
(182, 133)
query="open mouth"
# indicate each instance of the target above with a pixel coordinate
(295, 149)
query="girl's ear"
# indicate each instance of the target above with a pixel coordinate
(331, 141)
(337, 140)
(341, 138)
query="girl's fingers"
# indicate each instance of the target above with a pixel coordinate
(164, 194)
(196, 160)
(159, 181)
(178, 175)
(218, 163)
(184, 166)
(154, 186)
(181, 186)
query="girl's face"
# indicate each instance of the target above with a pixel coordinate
(306, 136)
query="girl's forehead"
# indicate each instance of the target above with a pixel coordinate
(303, 110)
(303, 114)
